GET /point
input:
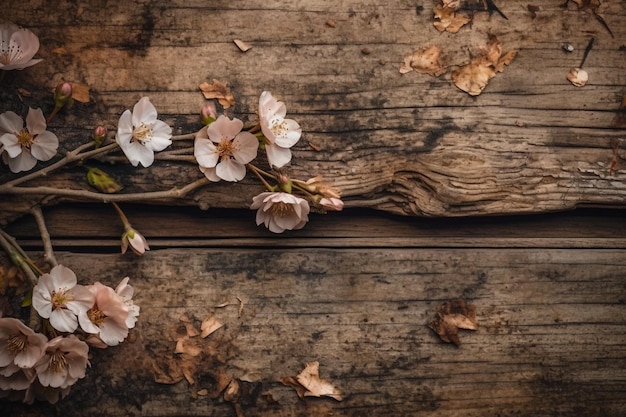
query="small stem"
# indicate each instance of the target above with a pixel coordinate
(587, 50)
(260, 174)
(70, 157)
(18, 256)
(45, 236)
(54, 113)
(123, 217)
(106, 198)
(184, 137)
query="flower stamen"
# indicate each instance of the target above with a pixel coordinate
(96, 316)
(142, 133)
(61, 298)
(24, 138)
(16, 344)
(58, 362)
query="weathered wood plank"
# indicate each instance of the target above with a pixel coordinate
(550, 338)
(409, 144)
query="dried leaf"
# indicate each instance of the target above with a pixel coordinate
(184, 346)
(291, 381)
(473, 77)
(448, 19)
(310, 379)
(424, 61)
(210, 325)
(218, 90)
(452, 316)
(59, 51)
(244, 47)
(578, 77)
(24, 92)
(80, 92)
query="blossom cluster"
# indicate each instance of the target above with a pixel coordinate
(32, 366)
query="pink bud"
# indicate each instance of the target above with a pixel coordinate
(99, 134)
(208, 113)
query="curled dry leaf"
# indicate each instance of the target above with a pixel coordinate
(244, 47)
(218, 90)
(578, 77)
(452, 316)
(448, 18)
(80, 92)
(209, 326)
(474, 77)
(424, 60)
(309, 384)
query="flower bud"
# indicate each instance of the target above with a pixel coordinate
(99, 134)
(63, 95)
(102, 181)
(135, 241)
(284, 183)
(208, 113)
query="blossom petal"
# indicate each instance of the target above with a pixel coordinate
(138, 154)
(10, 122)
(210, 173)
(277, 156)
(247, 147)
(45, 146)
(11, 144)
(230, 170)
(63, 320)
(290, 135)
(23, 162)
(161, 136)
(205, 152)
(224, 127)
(35, 122)
(62, 277)
(144, 111)
(124, 129)
(112, 332)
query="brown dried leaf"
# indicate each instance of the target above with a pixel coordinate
(291, 381)
(452, 316)
(59, 51)
(424, 61)
(185, 345)
(244, 47)
(310, 379)
(578, 77)
(210, 325)
(80, 92)
(218, 90)
(473, 77)
(448, 19)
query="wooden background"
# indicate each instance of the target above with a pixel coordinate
(354, 290)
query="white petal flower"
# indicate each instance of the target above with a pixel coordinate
(19, 344)
(17, 47)
(107, 318)
(280, 211)
(140, 133)
(57, 297)
(65, 361)
(23, 147)
(281, 133)
(223, 150)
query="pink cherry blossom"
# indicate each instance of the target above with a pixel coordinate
(281, 133)
(126, 292)
(23, 147)
(280, 211)
(135, 240)
(17, 47)
(107, 318)
(57, 297)
(223, 150)
(19, 344)
(64, 362)
(140, 134)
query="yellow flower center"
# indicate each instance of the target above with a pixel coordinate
(225, 148)
(24, 138)
(58, 362)
(281, 209)
(16, 343)
(279, 127)
(61, 298)
(142, 133)
(96, 316)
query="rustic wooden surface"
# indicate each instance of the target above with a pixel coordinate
(354, 290)
(404, 143)
(551, 312)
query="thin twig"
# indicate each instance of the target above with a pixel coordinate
(70, 157)
(48, 254)
(18, 256)
(106, 198)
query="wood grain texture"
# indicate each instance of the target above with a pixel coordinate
(410, 144)
(550, 338)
